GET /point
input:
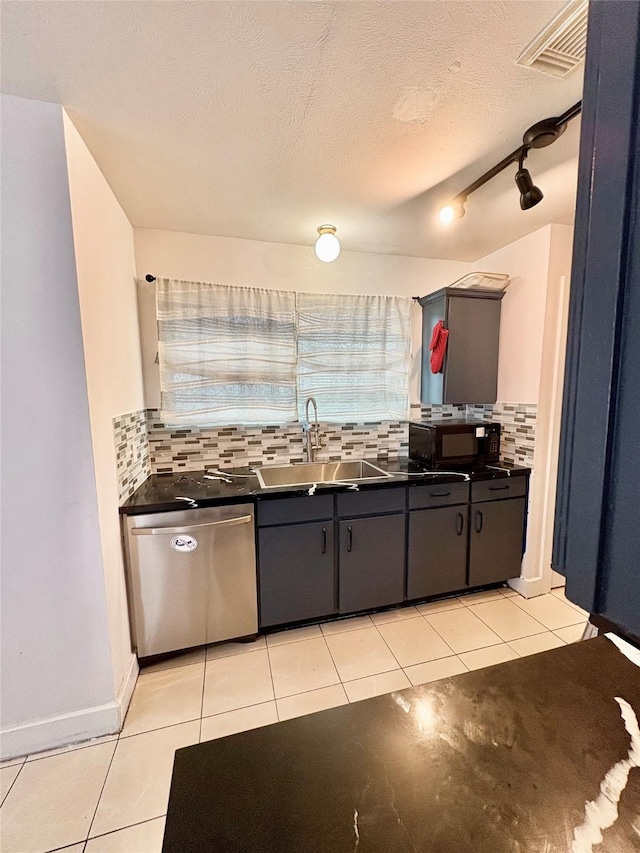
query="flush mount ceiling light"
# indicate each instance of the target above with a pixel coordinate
(327, 245)
(539, 135)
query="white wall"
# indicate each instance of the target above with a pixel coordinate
(522, 315)
(227, 260)
(551, 385)
(105, 264)
(531, 368)
(57, 681)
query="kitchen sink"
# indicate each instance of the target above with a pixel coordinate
(308, 473)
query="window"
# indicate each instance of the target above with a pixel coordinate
(354, 356)
(227, 354)
(232, 355)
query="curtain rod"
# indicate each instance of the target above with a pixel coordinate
(149, 277)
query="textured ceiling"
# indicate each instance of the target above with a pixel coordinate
(263, 120)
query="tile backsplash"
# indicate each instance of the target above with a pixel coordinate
(145, 445)
(518, 435)
(193, 448)
(132, 452)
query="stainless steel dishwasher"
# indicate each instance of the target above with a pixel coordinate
(191, 577)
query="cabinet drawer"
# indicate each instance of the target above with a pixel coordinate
(371, 502)
(292, 510)
(421, 497)
(492, 490)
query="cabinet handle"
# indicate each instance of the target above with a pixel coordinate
(439, 494)
(459, 523)
(350, 538)
(497, 488)
(479, 521)
(324, 540)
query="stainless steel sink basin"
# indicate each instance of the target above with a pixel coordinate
(308, 473)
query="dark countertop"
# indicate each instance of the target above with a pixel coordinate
(501, 760)
(162, 492)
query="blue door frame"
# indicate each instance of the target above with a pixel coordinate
(597, 521)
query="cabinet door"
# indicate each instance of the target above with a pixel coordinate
(371, 570)
(496, 540)
(296, 569)
(471, 366)
(437, 551)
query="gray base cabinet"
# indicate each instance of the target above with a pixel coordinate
(371, 559)
(496, 543)
(297, 578)
(325, 554)
(437, 559)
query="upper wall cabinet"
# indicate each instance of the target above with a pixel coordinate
(469, 372)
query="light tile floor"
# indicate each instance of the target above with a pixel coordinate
(110, 796)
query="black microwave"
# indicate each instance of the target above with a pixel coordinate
(454, 443)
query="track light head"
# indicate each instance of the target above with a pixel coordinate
(454, 210)
(530, 195)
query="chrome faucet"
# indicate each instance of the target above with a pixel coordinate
(313, 444)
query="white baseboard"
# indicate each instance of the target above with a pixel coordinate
(126, 689)
(53, 732)
(74, 727)
(530, 587)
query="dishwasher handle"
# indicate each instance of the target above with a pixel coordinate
(155, 531)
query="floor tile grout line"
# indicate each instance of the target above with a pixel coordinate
(335, 665)
(120, 828)
(404, 669)
(396, 621)
(273, 684)
(537, 620)
(161, 728)
(233, 710)
(204, 682)
(500, 640)
(339, 684)
(515, 638)
(348, 630)
(4, 799)
(426, 661)
(526, 614)
(106, 776)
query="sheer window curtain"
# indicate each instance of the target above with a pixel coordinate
(354, 356)
(227, 354)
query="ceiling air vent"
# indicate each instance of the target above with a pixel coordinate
(561, 45)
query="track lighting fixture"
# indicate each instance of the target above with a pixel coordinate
(539, 135)
(452, 211)
(530, 195)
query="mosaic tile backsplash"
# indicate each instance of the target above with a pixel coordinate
(518, 435)
(189, 449)
(146, 445)
(132, 452)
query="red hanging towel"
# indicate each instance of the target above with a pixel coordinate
(438, 346)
